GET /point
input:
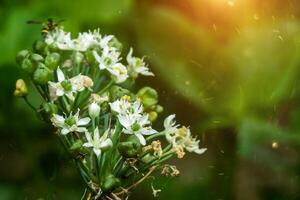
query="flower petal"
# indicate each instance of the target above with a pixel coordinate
(141, 139)
(83, 121)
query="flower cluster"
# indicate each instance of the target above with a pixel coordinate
(104, 127)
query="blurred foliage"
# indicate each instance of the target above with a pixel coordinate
(230, 69)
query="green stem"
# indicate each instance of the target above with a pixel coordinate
(151, 137)
(29, 104)
(111, 82)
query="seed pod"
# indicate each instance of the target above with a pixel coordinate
(28, 66)
(21, 56)
(90, 57)
(148, 96)
(39, 47)
(110, 183)
(36, 58)
(131, 147)
(42, 74)
(116, 92)
(52, 60)
(47, 110)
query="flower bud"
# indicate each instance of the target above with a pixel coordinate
(21, 88)
(110, 183)
(159, 108)
(94, 110)
(28, 66)
(78, 57)
(76, 145)
(148, 96)
(36, 58)
(42, 74)
(21, 56)
(117, 92)
(152, 116)
(39, 47)
(89, 56)
(130, 148)
(47, 111)
(52, 60)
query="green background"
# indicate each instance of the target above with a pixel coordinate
(229, 68)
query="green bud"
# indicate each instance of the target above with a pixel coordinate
(114, 42)
(110, 183)
(52, 60)
(42, 74)
(21, 56)
(53, 48)
(152, 116)
(28, 66)
(39, 47)
(36, 58)
(78, 57)
(66, 85)
(148, 96)
(117, 92)
(131, 147)
(76, 146)
(90, 57)
(47, 110)
(159, 109)
(21, 88)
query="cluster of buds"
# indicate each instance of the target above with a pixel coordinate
(104, 127)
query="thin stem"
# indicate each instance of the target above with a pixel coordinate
(151, 137)
(111, 82)
(29, 104)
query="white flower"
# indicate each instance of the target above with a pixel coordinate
(70, 124)
(109, 60)
(60, 88)
(80, 82)
(170, 127)
(182, 138)
(118, 72)
(87, 39)
(190, 143)
(137, 66)
(68, 87)
(94, 110)
(138, 125)
(98, 143)
(60, 39)
(120, 106)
